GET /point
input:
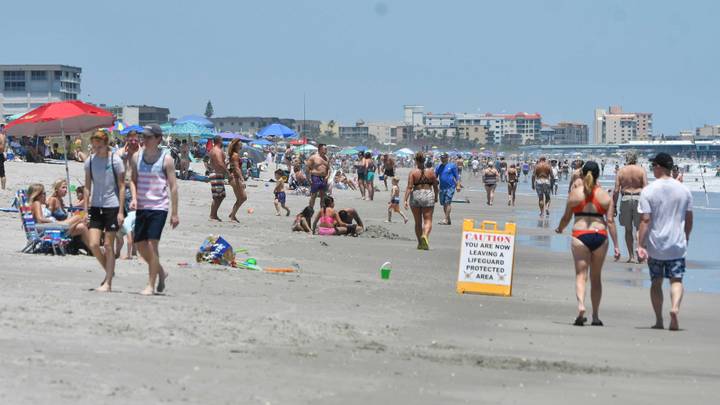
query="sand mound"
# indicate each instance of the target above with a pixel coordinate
(380, 232)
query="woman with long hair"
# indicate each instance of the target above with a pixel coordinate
(594, 219)
(75, 225)
(236, 180)
(361, 171)
(421, 195)
(55, 202)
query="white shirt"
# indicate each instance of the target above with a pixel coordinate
(475, 164)
(667, 201)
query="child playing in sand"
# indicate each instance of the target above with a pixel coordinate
(394, 204)
(280, 193)
(302, 220)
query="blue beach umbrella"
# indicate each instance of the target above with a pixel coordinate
(195, 119)
(276, 130)
(136, 128)
(261, 142)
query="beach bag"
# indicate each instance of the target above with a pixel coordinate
(215, 250)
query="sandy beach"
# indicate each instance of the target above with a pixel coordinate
(333, 331)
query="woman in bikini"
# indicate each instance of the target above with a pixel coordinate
(327, 222)
(490, 178)
(369, 164)
(594, 219)
(421, 195)
(512, 179)
(236, 180)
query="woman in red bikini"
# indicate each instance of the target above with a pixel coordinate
(594, 219)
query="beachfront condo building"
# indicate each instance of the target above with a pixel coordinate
(25, 87)
(139, 114)
(710, 132)
(505, 129)
(564, 133)
(613, 126)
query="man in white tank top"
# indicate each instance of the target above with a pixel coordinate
(153, 172)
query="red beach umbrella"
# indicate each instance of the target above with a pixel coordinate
(61, 118)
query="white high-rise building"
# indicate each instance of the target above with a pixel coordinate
(613, 126)
(25, 87)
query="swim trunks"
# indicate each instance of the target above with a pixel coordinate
(446, 195)
(629, 215)
(217, 185)
(542, 187)
(317, 183)
(281, 197)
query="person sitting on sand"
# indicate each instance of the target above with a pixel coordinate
(80, 196)
(394, 204)
(351, 219)
(327, 221)
(279, 193)
(302, 221)
(75, 225)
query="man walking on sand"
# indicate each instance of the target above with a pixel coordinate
(447, 173)
(218, 172)
(541, 184)
(629, 182)
(105, 188)
(153, 172)
(665, 208)
(319, 169)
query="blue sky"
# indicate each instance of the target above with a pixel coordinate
(365, 59)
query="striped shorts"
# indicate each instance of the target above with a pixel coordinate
(217, 185)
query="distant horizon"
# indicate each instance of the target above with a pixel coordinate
(364, 60)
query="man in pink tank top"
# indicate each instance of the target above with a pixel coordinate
(153, 173)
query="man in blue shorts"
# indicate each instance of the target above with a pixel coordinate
(447, 172)
(666, 220)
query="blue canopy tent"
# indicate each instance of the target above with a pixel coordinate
(195, 119)
(276, 130)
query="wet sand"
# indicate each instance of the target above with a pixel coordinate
(333, 331)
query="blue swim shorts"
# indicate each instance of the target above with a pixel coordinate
(666, 268)
(446, 195)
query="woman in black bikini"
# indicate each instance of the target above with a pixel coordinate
(421, 195)
(594, 219)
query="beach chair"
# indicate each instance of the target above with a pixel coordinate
(50, 240)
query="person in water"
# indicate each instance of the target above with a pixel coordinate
(593, 209)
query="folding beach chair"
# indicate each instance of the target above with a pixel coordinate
(49, 240)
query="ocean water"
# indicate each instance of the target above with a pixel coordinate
(703, 258)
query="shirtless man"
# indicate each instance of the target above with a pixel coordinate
(541, 184)
(218, 172)
(460, 163)
(388, 169)
(319, 169)
(629, 182)
(576, 180)
(3, 141)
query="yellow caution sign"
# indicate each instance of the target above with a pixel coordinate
(487, 259)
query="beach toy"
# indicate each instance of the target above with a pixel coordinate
(215, 250)
(249, 264)
(279, 270)
(385, 270)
